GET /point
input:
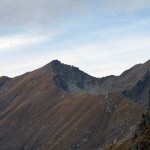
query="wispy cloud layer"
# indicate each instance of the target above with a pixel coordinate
(10, 43)
(98, 59)
(16, 12)
(16, 41)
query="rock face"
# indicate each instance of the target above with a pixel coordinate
(72, 79)
(3, 81)
(139, 92)
(133, 83)
(59, 107)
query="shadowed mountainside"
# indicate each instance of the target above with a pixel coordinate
(60, 107)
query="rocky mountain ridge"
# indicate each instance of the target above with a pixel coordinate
(59, 107)
(133, 83)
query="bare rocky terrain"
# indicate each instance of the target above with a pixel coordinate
(59, 107)
(133, 83)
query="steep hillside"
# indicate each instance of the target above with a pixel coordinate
(60, 107)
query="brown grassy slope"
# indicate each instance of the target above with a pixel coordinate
(37, 115)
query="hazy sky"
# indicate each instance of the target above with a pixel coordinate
(101, 37)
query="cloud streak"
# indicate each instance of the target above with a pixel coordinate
(98, 59)
(12, 43)
(16, 12)
(16, 41)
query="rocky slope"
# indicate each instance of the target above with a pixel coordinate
(134, 83)
(60, 107)
(140, 139)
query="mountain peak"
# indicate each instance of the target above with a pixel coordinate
(72, 79)
(59, 67)
(54, 65)
(67, 77)
(55, 62)
(3, 80)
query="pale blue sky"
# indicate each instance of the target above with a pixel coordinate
(100, 37)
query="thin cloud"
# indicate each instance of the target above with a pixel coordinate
(16, 12)
(13, 42)
(99, 59)
(123, 5)
(10, 43)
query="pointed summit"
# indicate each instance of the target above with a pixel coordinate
(55, 62)
(3, 80)
(53, 66)
(69, 78)
(56, 65)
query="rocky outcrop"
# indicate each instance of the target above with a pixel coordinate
(3, 80)
(139, 92)
(133, 83)
(70, 78)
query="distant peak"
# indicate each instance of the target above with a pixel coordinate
(55, 62)
(4, 77)
(56, 65)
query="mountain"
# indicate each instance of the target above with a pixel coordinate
(133, 83)
(59, 107)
